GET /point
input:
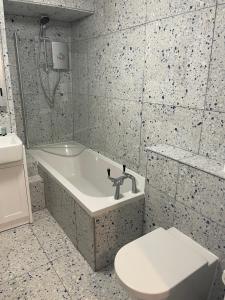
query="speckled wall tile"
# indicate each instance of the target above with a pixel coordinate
(18, 117)
(94, 25)
(213, 136)
(215, 93)
(43, 123)
(25, 26)
(53, 194)
(14, 81)
(162, 173)
(80, 4)
(81, 112)
(172, 125)
(82, 136)
(162, 9)
(192, 224)
(177, 59)
(124, 14)
(124, 64)
(7, 118)
(186, 45)
(123, 117)
(197, 207)
(55, 126)
(85, 235)
(65, 84)
(202, 192)
(97, 122)
(208, 165)
(68, 218)
(80, 67)
(61, 205)
(62, 121)
(115, 229)
(143, 158)
(32, 165)
(159, 209)
(171, 152)
(37, 193)
(28, 64)
(96, 66)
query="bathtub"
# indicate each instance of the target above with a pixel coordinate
(85, 176)
(81, 199)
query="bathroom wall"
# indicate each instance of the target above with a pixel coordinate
(188, 192)
(45, 125)
(152, 72)
(7, 116)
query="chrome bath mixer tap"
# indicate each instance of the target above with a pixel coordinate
(118, 181)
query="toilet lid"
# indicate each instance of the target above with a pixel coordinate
(155, 263)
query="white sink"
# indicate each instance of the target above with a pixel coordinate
(11, 148)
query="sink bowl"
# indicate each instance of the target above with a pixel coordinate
(11, 148)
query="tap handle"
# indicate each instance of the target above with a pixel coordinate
(108, 171)
(124, 168)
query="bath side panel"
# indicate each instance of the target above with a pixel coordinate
(85, 235)
(116, 228)
(61, 205)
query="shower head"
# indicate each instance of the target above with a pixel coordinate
(44, 20)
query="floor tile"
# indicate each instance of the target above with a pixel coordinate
(20, 252)
(41, 214)
(40, 284)
(52, 238)
(83, 283)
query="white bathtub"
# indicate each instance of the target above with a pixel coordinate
(85, 176)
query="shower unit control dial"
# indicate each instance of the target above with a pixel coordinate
(60, 56)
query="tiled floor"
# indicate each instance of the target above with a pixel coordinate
(39, 262)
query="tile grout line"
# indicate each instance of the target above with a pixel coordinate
(182, 161)
(50, 262)
(208, 76)
(162, 104)
(146, 23)
(142, 92)
(190, 208)
(33, 269)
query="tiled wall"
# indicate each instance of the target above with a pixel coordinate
(190, 199)
(7, 116)
(150, 73)
(79, 4)
(45, 125)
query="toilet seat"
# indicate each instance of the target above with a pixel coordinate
(151, 266)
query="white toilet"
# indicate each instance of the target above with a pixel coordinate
(166, 264)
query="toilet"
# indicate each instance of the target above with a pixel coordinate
(165, 265)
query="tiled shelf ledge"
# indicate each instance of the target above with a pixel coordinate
(57, 10)
(202, 163)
